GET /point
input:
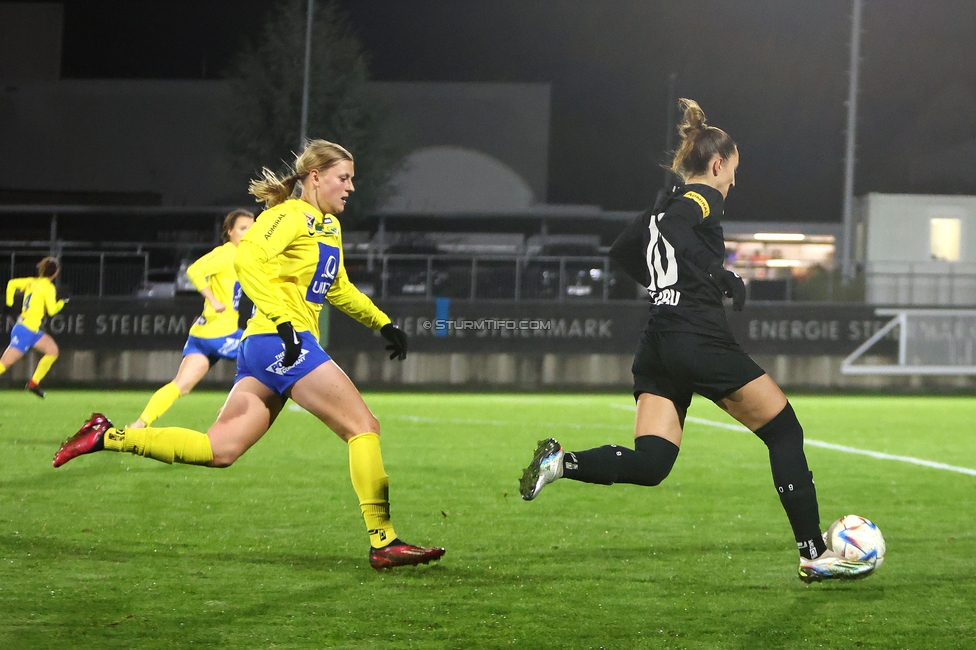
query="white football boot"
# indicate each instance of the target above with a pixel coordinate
(546, 467)
(831, 566)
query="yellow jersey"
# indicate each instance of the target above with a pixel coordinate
(40, 300)
(290, 262)
(216, 270)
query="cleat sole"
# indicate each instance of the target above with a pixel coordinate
(530, 475)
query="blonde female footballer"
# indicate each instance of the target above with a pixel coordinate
(289, 264)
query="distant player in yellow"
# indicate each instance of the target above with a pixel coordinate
(289, 264)
(215, 334)
(40, 300)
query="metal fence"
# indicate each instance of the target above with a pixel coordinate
(152, 270)
(921, 283)
(562, 278)
(479, 277)
(85, 273)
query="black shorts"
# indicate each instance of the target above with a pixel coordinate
(675, 365)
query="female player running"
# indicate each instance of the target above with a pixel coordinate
(215, 335)
(677, 250)
(40, 300)
(289, 264)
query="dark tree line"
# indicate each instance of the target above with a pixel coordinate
(265, 115)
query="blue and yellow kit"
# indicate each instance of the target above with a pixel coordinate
(216, 270)
(290, 262)
(40, 300)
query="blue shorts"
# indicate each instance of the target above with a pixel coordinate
(222, 347)
(261, 354)
(23, 338)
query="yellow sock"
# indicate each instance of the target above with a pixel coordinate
(42, 367)
(160, 402)
(372, 486)
(167, 444)
(3, 368)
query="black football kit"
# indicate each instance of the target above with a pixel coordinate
(676, 249)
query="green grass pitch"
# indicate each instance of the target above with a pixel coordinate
(117, 551)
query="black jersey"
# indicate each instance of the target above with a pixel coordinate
(668, 250)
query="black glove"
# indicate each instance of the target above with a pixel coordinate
(398, 340)
(293, 344)
(729, 283)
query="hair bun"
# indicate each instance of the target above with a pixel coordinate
(699, 141)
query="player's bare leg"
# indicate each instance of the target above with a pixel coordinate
(756, 403)
(10, 356)
(329, 394)
(657, 416)
(247, 414)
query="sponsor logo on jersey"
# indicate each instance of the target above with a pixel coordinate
(700, 200)
(325, 274)
(326, 220)
(665, 297)
(280, 370)
(316, 228)
(271, 230)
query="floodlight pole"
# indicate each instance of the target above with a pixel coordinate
(305, 80)
(847, 257)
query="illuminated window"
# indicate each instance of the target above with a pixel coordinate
(945, 235)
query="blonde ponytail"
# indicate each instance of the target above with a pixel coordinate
(318, 154)
(272, 190)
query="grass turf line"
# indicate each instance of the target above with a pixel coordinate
(116, 551)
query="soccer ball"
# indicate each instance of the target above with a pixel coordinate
(856, 538)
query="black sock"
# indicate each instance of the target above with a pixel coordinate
(648, 464)
(793, 479)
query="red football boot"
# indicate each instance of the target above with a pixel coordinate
(87, 440)
(400, 554)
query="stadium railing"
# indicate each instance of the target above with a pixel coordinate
(157, 269)
(921, 283)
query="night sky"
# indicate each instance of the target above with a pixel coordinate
(772, 73)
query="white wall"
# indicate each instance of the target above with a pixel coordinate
(899, 265)
(898, 225)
